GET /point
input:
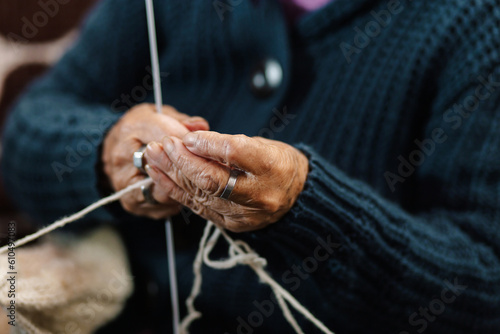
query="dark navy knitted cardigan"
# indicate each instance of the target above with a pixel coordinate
(396, 104)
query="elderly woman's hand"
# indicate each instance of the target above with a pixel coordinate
(194, 171)
(139, 126)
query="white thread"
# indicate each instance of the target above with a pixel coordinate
(287, 313)
(153, 49)
(169, 234)
(234, 258)
(193, 314)
(80, 214)
(239, 253)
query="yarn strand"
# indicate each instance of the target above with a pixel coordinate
(193, 314)
(239, 253)
(80, 214)
(265, 277)
(169, 233)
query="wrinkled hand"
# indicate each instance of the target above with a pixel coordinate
(194, 171)
(139, 126)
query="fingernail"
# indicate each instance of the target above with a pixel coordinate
(149, 170)
(189, 139)
(153, 149)
(168, 144)
(195, 120)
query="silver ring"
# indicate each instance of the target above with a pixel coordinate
(148, 197)
(233, 176)
(139, 159)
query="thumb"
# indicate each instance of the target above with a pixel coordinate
(234, 150)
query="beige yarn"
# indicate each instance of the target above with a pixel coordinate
(68, 285)
(239, 253)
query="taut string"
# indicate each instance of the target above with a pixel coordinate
(169, 234)
(80, 214)
(239, 253)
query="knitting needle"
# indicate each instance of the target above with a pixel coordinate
(168, 224)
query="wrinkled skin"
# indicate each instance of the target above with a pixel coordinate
(190, 166)
(195, 169)
(139, 126)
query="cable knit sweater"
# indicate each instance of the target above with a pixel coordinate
(396, 104)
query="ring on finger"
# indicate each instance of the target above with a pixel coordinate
(148, 196)
(231, 182)
(138, 159)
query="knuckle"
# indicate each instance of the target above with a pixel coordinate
(203, 143)
(180, 160)
(203, 199)
(266, 165)
(121, 154)
(207, 182)
(234, 146)
(274, 161)
(169, 110)
(197, 208)
(115, 158)
(198, 205)
(187, 200)
(272, 204)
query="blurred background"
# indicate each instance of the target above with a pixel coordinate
(33, 36)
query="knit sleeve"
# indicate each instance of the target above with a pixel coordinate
(366, 253)
(433, 263)
(53, 136)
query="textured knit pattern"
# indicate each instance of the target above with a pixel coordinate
(358, 104)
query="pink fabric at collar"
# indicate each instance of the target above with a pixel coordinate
(307, 5)
(295, 8)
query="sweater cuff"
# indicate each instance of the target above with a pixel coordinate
(325, 207)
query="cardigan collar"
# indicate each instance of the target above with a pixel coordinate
(332, 14)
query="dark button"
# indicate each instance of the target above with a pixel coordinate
(266, 78)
